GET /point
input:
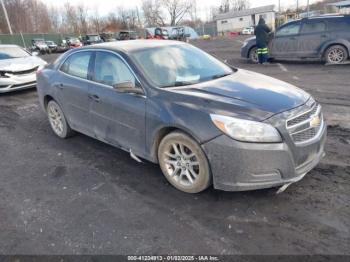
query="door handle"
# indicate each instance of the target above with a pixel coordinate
(323, 36)
(94, 97)
(292, 38)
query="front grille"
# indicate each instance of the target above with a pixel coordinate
(305, 126)
(24, 84)
(303, 117)
(24, 72)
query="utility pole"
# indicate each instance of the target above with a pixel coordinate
(308, 8)
(6, 16)
(297, 9)
(279, 6)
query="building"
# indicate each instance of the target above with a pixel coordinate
(343, 6)
(235, 21)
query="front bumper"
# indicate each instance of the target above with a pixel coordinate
(239, 166)
(19, 82)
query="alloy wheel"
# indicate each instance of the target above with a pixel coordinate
(182, 164)
(56, 118)
(336, 55)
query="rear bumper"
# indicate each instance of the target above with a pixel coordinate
(238, 166)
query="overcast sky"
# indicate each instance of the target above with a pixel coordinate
(106, 6)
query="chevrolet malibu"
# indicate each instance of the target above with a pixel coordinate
(203, 121)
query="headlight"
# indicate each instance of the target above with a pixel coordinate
(246, 130)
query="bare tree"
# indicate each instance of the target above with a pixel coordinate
(152, 13)
(70, 22)
(82, 18)
(238, 5)
(177, 10)
(96, 21)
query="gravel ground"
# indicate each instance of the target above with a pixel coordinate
(80, 196)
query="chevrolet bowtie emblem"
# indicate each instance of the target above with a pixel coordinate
(315, 122)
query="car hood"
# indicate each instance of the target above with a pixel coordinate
(21, 64)
(262, 95)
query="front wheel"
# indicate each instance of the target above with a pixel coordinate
(336, 54)
(58, 121)
(253, 55)
(184, 163)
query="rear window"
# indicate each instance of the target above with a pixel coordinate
(77, 65)
(313, 27)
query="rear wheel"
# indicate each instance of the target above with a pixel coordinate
(253, 55)
(336, 54)
(184, 163)
(58, 121)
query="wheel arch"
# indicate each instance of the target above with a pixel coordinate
(47, 99)
(163, 132)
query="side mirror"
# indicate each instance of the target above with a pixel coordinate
(127, 87)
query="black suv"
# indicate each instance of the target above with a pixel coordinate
(325, 38)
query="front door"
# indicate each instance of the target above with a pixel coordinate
(285, 41)
(72, 90)
(118, 118)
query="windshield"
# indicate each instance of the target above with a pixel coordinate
(12, 52)
(179, 65)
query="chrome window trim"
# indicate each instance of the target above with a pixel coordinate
(91, 81)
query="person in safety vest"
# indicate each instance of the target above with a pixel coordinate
(262, 39)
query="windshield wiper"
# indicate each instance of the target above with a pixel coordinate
(220, 75)
(180, 83)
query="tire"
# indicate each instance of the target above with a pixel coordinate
(58, 122)
(253, 56)
(336, 54)
(184, 163)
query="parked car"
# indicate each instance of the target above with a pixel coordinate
(52, 46)
(157, 33)
(18, 68)
(92, 39)
(108, 37)
(127, 35)
(248, 30)
(179, 34)
(40, 46)
(203, 121)
(325, 38)
(73, 42)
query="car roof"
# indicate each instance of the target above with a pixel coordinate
(134, 45)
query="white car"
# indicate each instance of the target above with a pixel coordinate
(18, 68)
(248, 31)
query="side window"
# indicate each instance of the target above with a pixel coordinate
(313, 27)
(292, 29)
(335, 24)
(111, 70)
(77, 65)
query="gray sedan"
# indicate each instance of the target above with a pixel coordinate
(203, 121)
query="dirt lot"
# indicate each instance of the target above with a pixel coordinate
(80, 196)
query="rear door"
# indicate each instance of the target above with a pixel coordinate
(285, 41)
(72, 90)
(313, 34)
